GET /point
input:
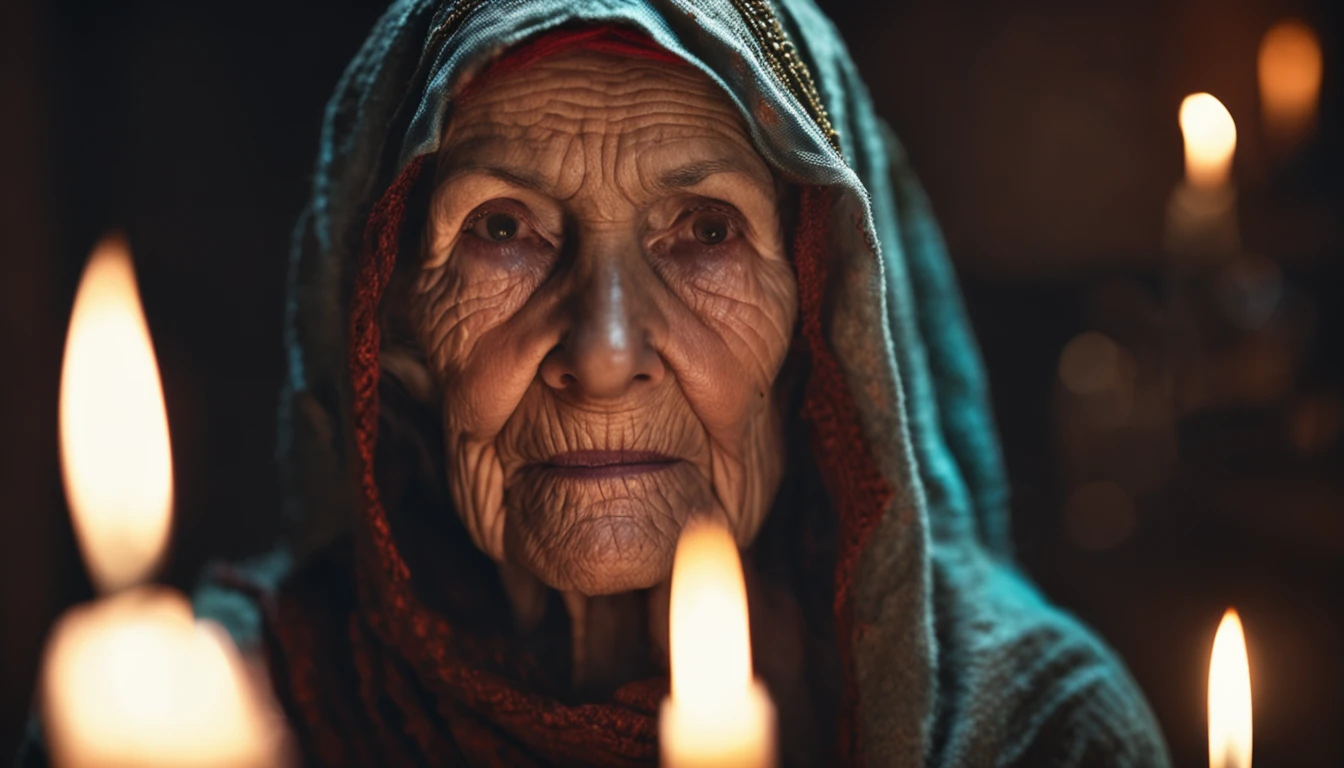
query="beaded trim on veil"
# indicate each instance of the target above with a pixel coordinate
(760, 20)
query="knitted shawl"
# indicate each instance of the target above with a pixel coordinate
(947, 654)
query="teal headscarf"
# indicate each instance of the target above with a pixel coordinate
(951, 656)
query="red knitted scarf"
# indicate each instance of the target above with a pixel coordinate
(415, 689)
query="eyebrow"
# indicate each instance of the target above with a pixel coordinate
(693, 173)
(514, 177)
(681, 177)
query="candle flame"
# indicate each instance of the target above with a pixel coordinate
(710, 640)
(1229, 697)
(718, 715)
(115, 456)
(1289, 70)
(1210, 140)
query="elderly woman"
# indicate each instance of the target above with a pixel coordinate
(573, 274)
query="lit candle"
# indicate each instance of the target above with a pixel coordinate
(115, 456)
(1210, 141)
(1202, 212)
(1229, 697)
(133, 679)
(1289, 70)
(718, 715)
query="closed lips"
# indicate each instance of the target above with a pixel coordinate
(605, 463)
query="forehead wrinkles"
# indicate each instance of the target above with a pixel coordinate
(589, 80)
(583, 118)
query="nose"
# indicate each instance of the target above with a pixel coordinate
(609, 347)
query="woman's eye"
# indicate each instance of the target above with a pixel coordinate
(711, 228)
(497, 227)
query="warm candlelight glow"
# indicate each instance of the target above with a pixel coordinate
(1290, 80)
(115, 455)
(1229, 697)
(1210, 140)
(717, 715)
(133, 680)
(711, 645)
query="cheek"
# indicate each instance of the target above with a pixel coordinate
(732, 348)
(462, 312)
(744, 307)
(465, 298)
(467, 312)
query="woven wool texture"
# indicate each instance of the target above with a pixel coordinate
(949, 656)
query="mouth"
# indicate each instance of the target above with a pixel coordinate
(603, 464)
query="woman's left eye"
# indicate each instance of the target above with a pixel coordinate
(711, 227)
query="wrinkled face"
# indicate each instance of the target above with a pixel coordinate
(605, 304)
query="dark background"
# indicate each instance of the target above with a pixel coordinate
(1045, 133)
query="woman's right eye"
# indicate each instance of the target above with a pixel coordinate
(499, 222)
(499, 227)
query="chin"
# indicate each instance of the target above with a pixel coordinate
(601, 556)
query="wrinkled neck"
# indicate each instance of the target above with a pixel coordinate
(613, 642)
(613, 639)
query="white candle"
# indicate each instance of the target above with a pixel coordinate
(133, 679)
(1229, 697)
(1210, 141)
(718, 715)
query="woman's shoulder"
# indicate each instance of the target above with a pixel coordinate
(1085, 709)
(238, 595)
(232, 594)
(1026, 683)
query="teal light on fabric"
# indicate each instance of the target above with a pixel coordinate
(958, 660)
